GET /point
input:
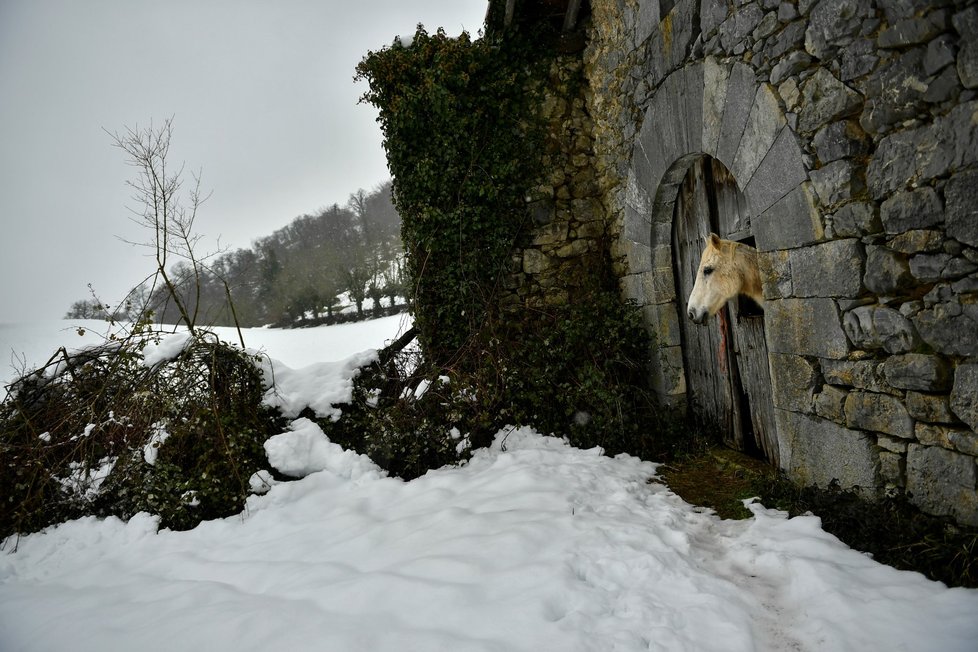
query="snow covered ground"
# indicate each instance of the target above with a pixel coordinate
(533, 545)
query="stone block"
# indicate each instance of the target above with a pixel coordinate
(964, 441)
(879, 413)
(712, 14)
(833, 23)
(805, 327)
(741, 88)
(909, 31)
(894, 92)
(916, 241)
(768, 25)
(668, 378)
(919, 371)
(638, 193)
(897, 10)
(887, 272)
(737, 26)
(693, 92)
(956, 142)
(830, 403)
(714, 99)
(930, 268)
(632, 289)
(831, 269)
(823, 452)
(825, 99)
(931, 408)
(942, 482)
(944, 88)
(856, 220)
(892, 444)
(964, 394)
(790, 65)
(775, 274)
(940, 54)
(961, 198)
(894, 163)
(893, 468)
(917, 209)
(764, 122)
(659, 285)
(965, 22)
(967, 63)
(668, 109)
(549, 234)
(646, 22)
(879, 327)
(781, 173)
(837, 182)
(662, 320)
(574, 248)
(787, 12)
(947, 329)
(535, 261)
(858, 59)
(842, 139)
(636, 227)
(793, 380)
(929, 434)
(860, 374)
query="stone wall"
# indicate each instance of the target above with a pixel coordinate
(568, 217)
(852, 129)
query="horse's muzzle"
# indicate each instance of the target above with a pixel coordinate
(695, 316)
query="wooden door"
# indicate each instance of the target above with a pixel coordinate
(727, 369)
(709, 385)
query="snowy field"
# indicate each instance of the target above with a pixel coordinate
(532, 545)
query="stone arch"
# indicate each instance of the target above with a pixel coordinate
(719, 110)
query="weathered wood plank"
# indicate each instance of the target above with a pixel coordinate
(752, 359)
(732, 212)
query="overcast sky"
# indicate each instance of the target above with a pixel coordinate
(262, 99)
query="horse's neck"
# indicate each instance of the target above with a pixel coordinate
(751, 277)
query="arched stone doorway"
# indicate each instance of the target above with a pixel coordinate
(720, 111)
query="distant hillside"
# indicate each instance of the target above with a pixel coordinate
(338, 264)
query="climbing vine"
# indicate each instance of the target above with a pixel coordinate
(461, 142)
(465, 141)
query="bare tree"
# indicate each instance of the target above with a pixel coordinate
(169, 214)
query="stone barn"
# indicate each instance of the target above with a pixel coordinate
(840, 139)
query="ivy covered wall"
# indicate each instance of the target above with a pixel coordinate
(490, 146)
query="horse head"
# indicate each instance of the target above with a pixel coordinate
(726, 269)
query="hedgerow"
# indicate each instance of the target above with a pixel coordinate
(98, 432)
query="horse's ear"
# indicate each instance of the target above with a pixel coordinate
(714, 240)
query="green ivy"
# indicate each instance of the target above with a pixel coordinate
(462, 142)
(465, 145)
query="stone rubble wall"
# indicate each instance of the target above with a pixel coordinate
(870, 261)
(568, 217)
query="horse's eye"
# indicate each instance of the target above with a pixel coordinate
(707, 271)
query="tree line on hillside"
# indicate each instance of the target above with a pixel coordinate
(338, 264)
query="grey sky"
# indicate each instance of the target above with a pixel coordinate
(262, 97)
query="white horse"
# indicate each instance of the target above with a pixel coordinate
(726, 270)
